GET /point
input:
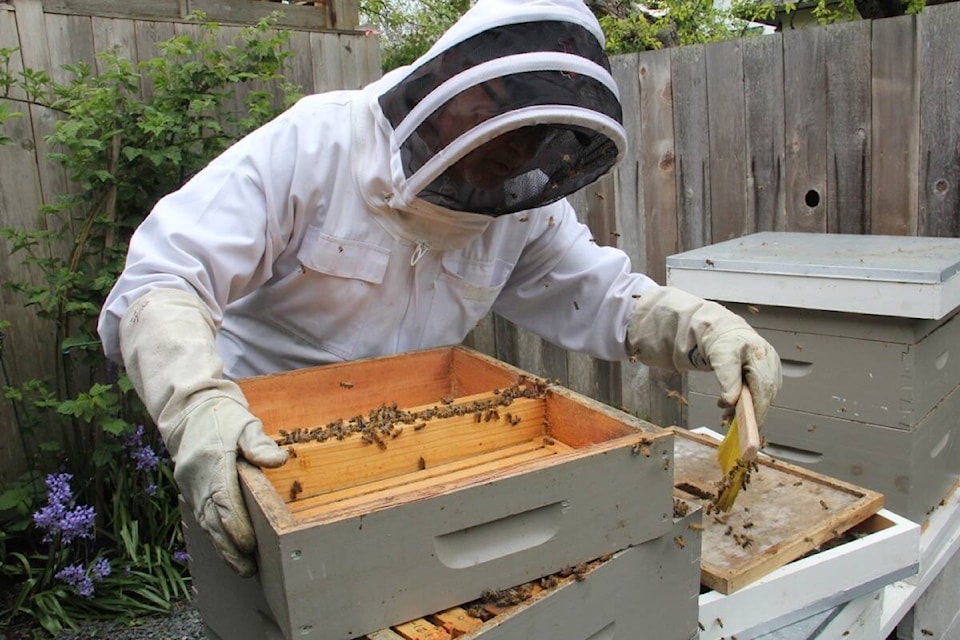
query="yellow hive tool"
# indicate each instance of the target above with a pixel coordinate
(738, 450)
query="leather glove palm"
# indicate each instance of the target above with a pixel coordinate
(673, 329)
(167, 338)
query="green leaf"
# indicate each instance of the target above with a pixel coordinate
(14, 496)
(115, 426)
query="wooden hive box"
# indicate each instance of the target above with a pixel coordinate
(648, 591)
(455, 474)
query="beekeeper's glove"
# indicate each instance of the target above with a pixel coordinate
(673, 329)
(167, 341)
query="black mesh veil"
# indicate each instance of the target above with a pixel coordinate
(509, 119)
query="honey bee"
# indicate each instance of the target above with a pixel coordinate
(693, 526)
(709, 262)
(675, 395)
(292, 452)
(295, 490)
(754, 310)
(551, 221)
(346, 385)
(641, 448)
(547, 440)
(421, 463)
(580, 571)
(824, 505)
(680, 542)
(576, 305)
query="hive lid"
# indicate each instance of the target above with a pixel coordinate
(903, 276)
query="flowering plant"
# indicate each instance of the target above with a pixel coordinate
(126, 561)
(93, 528)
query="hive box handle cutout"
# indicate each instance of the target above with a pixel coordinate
(499, 538)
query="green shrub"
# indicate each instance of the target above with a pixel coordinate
(92, 529)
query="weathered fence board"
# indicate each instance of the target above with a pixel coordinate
(848, 120)
(692, 146)
(896, 101)
(336, 14)
(939, 69)
(169, 9)
(657, 161)
(805, 107)
(728, 177)
(763, 107)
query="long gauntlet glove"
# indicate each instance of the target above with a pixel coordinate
(673, 329)
(167, 338)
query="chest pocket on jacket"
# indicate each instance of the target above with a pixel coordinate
(334, 303)
(343, 258)
(479, 280)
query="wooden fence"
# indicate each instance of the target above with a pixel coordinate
(851, 128)
(53, 33)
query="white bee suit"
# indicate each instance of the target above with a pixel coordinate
(293, 240)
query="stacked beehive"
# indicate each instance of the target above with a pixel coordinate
(422, 482)
(865, 327)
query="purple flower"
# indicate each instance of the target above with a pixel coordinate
(77, 523)
(48, 519)
(76, 576)
(143, 455)
(152, 489)
(59, 517)
(101, 568)
(58, 488)
(135, 439)
(145, 458)
(181, 556)
(82, 579)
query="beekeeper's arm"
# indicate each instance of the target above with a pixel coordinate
(167, 340)
(210, 242)
(671, 328)
(587, 298)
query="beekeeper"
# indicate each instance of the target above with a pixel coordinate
(393, 218)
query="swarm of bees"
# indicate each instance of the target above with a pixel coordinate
(491, 601)
(748, 467)
(387, 422)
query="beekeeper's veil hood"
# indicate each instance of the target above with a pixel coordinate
(514, 107)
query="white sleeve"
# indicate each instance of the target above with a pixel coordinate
(570, 291)
(217, 236)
